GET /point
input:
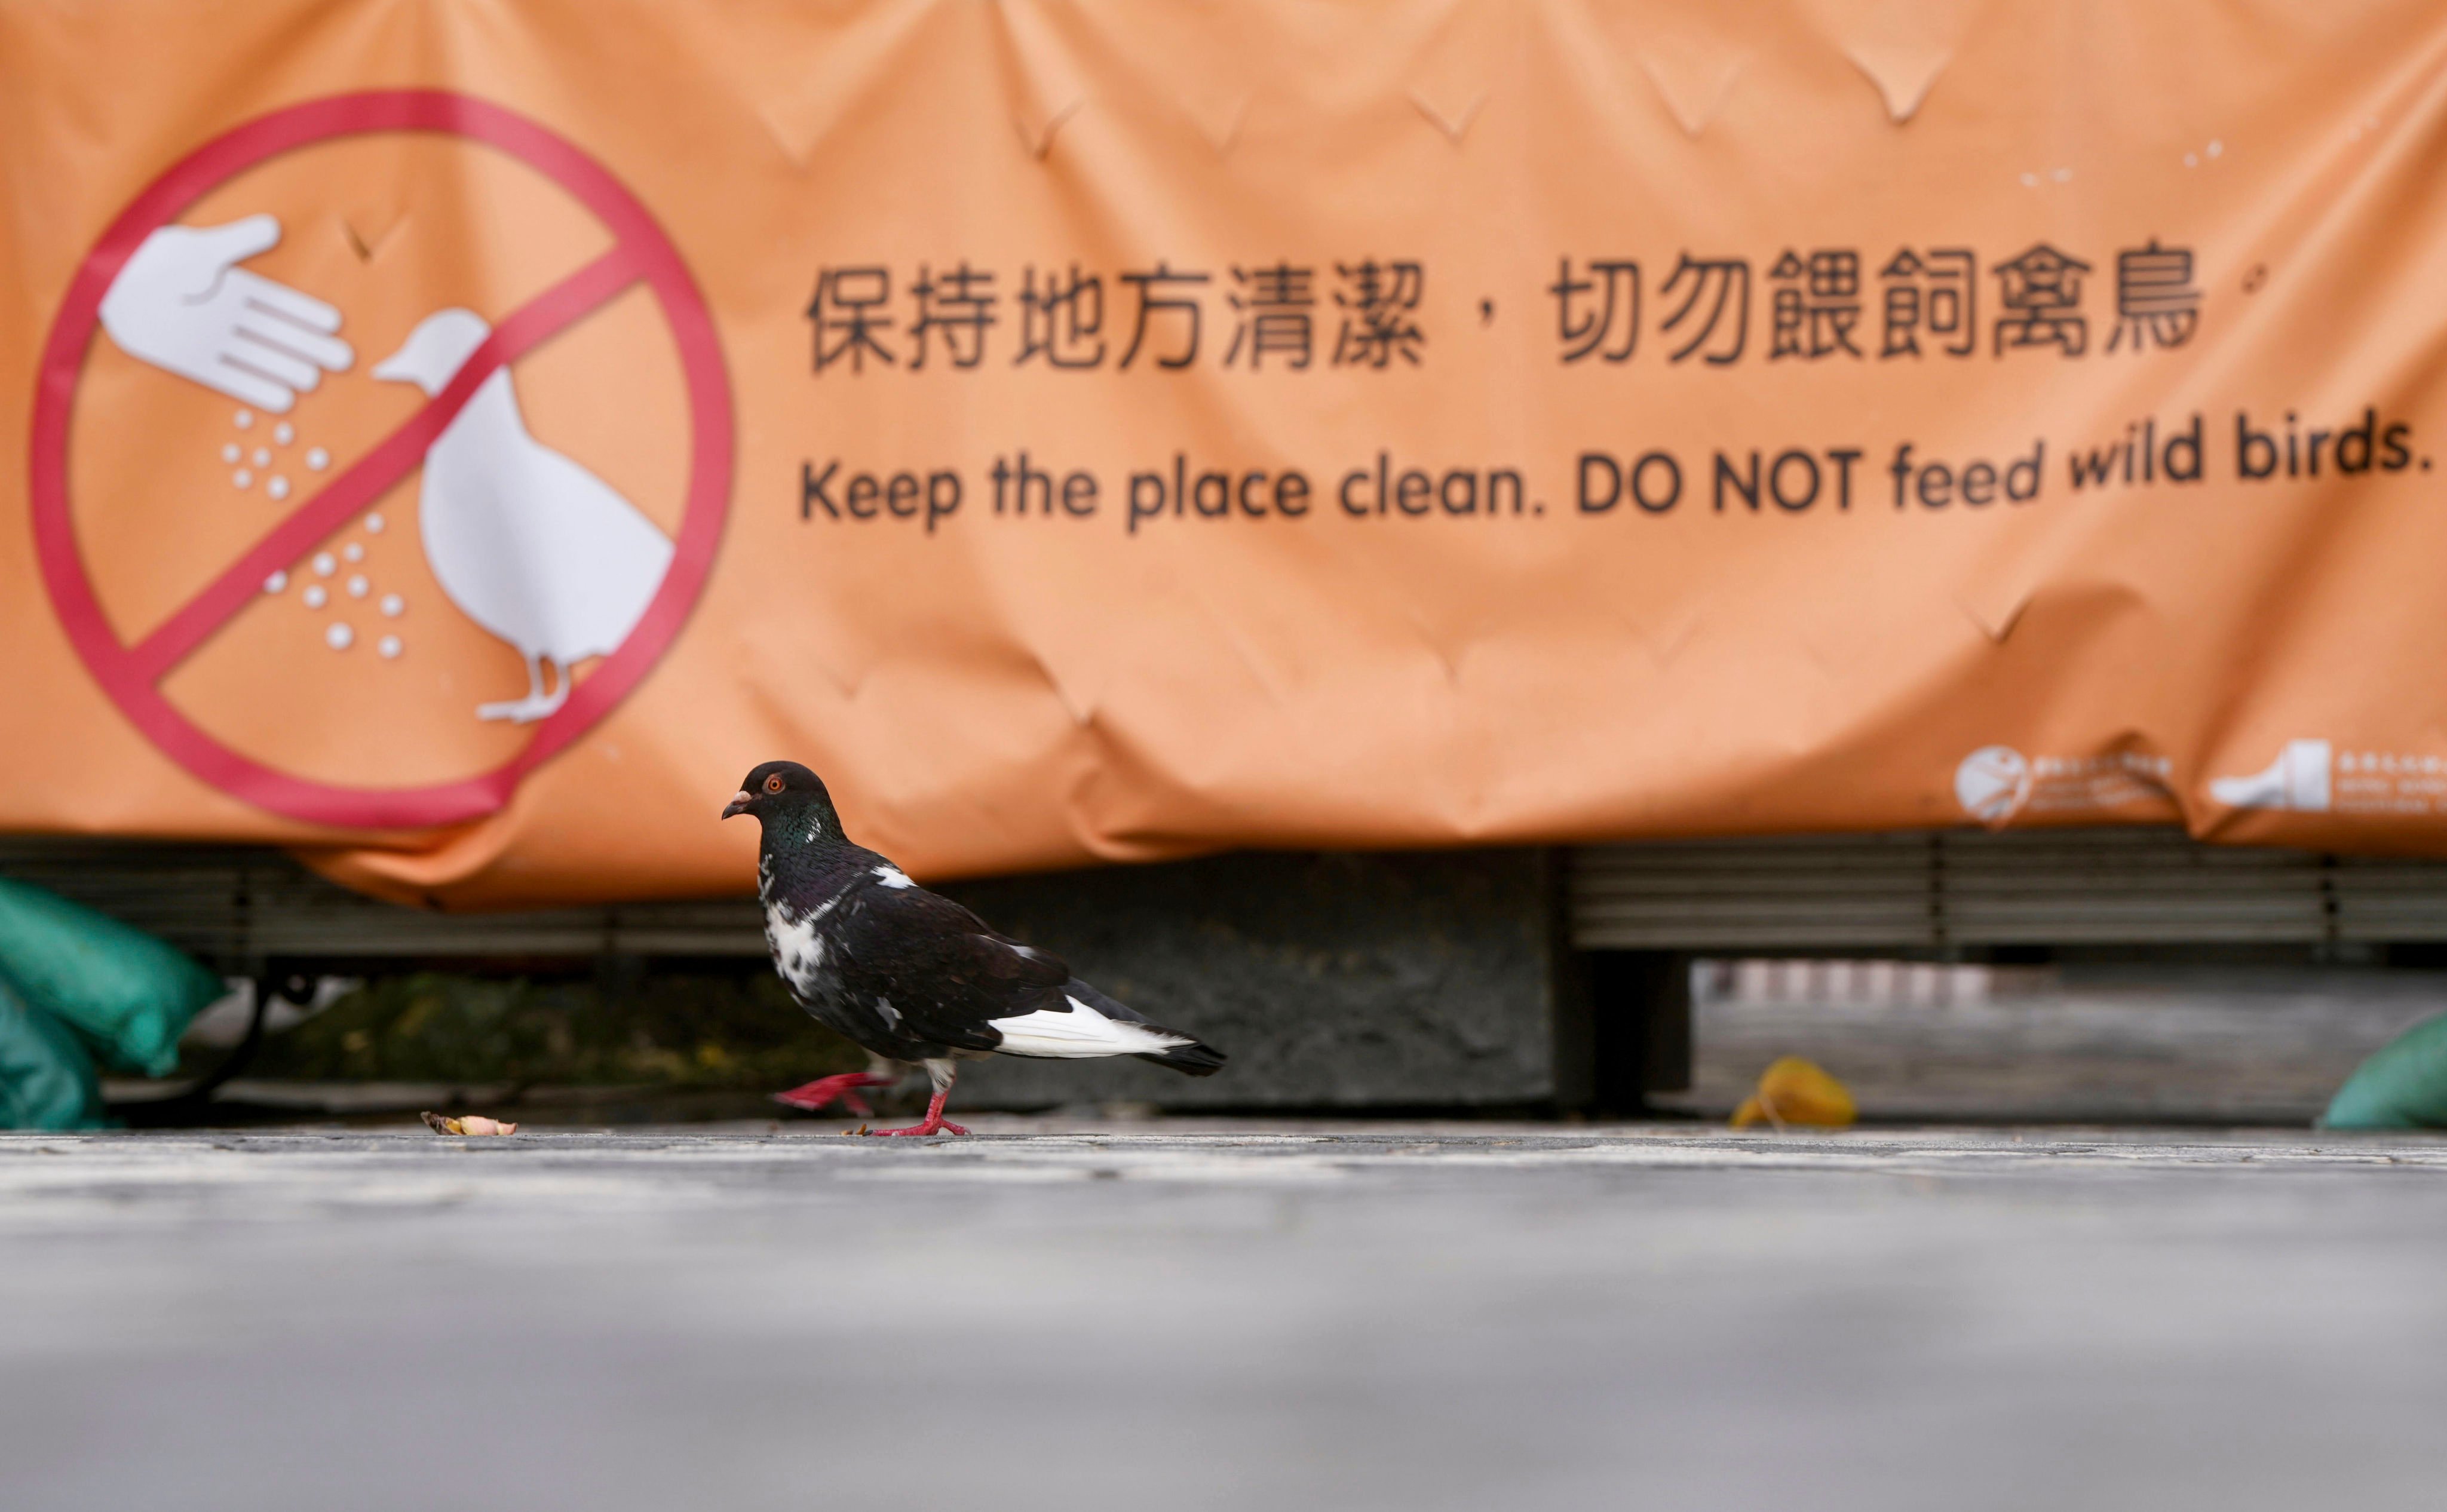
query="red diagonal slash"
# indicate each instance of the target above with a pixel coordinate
(528, 327)
(131, 676)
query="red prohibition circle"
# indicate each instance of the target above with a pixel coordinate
(131, 674)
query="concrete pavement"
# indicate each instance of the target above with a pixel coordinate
(1191, 1315)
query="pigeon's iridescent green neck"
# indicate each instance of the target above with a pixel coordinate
(808, 829)
(804, 838)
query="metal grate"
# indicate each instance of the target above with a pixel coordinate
(238, 907)
(1931, 890)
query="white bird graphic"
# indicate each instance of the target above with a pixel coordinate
(526, 542)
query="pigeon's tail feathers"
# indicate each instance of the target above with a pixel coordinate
(1087, 1024)
(1082, 1025)
(1186, 1055)
(1192, 1058)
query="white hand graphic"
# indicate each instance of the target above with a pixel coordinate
(183, 305)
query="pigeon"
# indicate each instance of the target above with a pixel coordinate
(908, 975)
(527, 542)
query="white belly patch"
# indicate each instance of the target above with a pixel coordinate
(798, 949)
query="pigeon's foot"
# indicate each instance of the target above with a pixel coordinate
(522, 710)
(933, 1124)
(818, 1094)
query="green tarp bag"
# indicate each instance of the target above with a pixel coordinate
(46, 1079)
(2402, 1085)
(128, 994)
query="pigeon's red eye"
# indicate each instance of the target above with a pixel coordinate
(773, 783)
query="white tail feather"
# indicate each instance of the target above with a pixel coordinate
(1080, 1034)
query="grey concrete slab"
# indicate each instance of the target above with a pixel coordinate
(1211, 1316)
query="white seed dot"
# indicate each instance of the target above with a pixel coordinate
(264, 456)
(242, 419)
(315, 597)
(2030, 180)
(241, 477)
(275, 583)
(2217, 147)
(278, 487)
(394, 606)
(389, 646)
(284, 433)
(2063, 175)
(2192, 159)
(231, 454)
(338, 635)
(317, 458)
(354, 551)
(324, 565)
(358, 587)
(374, 523)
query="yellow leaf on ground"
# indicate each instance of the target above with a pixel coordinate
(467, 1123)
(1793, 1091)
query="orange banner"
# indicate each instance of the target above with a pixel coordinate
(456, 440)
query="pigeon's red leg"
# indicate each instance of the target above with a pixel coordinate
(933, 1124)
(817, 1094)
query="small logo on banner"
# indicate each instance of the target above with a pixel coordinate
(2296, 780)
(1993, 782)
(1996, 784)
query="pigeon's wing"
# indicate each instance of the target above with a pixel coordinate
(947, 975)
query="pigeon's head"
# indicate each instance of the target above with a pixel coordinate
(436, 349)
(789, 800)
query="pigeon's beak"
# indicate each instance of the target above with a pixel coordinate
(739, 802)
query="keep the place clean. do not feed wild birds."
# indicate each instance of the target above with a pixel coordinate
(912, 977)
